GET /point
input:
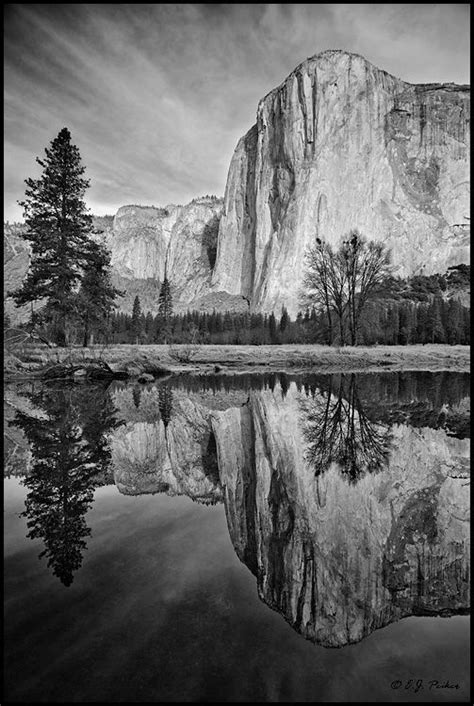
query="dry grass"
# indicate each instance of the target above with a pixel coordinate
(315, 356)
(418, 357)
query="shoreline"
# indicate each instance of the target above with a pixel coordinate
(159, 360)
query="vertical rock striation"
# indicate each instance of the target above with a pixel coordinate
(341, 144)
(145, 241)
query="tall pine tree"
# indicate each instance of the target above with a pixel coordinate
(97, 294)
(165, 302)
(436, 332)
(136, 329)
(165, 307)
(454, 322)
(58, 230)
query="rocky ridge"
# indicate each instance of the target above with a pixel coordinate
(146, 242)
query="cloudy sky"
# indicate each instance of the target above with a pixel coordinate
(157, 96)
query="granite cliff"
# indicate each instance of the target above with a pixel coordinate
(146, 241)
(341, 144)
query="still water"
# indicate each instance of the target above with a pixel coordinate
(238, 538)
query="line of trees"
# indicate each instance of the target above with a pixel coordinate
(384, 322)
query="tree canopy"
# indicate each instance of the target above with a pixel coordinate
(341, 282)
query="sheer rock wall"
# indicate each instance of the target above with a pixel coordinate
(338, 145)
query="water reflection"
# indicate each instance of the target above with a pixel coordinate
(165, 405)
(336, 429)
(70, 458)
(337, 558)
(165, 445)
(137, 393)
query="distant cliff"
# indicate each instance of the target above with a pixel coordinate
(16, 260)
(144, 241)
(341, 144)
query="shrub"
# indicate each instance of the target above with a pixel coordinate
(183, 353)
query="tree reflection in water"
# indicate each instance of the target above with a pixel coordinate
(165, 404)
(337, 430)
(71, 457)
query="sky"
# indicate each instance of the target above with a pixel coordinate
(157, 96)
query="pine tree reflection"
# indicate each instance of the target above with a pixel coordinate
(70, 459)
(136, 393)
(165, 403)
(337, 430)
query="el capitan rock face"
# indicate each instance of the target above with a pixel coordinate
(341, 144)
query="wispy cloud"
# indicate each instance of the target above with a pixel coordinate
(156, 96)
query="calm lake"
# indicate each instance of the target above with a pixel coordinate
(250, 537)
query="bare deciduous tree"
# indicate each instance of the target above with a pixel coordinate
(366, 265)
(340, 282)
(323, 285)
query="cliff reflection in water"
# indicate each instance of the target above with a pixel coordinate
(346, 495)
(340, 558)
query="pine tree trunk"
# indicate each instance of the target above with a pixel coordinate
(86, 333)
(61, 338)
